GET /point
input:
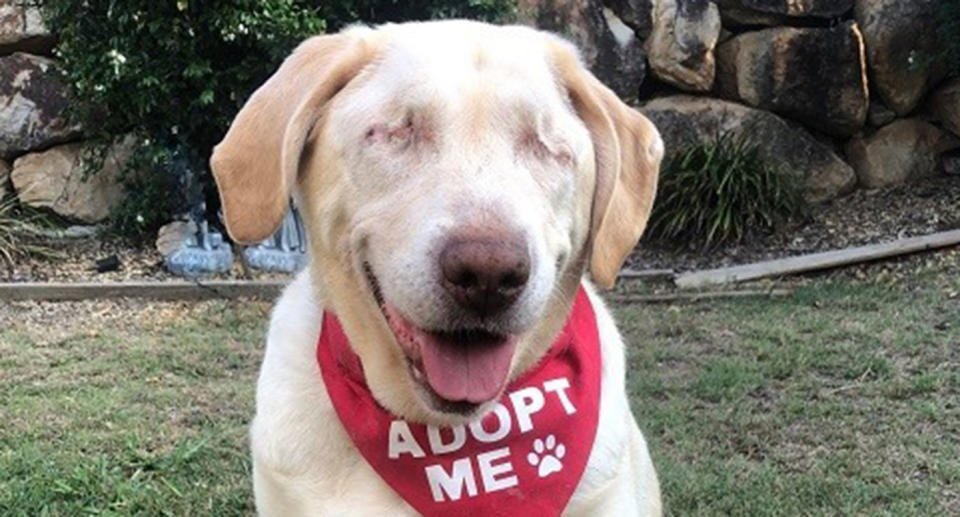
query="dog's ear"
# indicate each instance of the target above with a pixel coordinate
(257, 162)
(628, 152)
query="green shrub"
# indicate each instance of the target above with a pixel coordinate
(338, 14)
(173, 73)
(720, 192)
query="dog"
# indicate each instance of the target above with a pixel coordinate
(458, 182)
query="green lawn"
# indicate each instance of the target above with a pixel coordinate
(843, 399)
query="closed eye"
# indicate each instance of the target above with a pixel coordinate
(410, 130)
(533, 145)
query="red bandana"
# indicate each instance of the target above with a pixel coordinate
(525, 457)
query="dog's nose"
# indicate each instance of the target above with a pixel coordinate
(485, 276)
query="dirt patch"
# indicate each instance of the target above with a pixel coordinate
(77, 260)
(864, 217)
(52, 323)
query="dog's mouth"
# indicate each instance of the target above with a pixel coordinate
(458, 369)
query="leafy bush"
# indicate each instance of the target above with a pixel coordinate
(338, 14)
(721, 191)
(174, 73)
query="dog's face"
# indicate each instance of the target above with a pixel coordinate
(456, 178)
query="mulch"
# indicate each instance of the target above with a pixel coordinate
(863, 217)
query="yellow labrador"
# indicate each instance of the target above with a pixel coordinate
(459, 178)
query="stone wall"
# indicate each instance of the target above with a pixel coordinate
(40, 152)
(843, 93)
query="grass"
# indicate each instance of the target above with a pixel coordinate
(106, 416)
(21, 232)
(841, 400)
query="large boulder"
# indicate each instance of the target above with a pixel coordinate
(32, 101)
(814, 75)
(681, 46)
(880, 115)
(901, 36)
(58, 179)
(905, 150)
(684, 120)
(944, 104)
(22, 29)
(609, 47)
(734, 14)
(951, 163)
(777, 9)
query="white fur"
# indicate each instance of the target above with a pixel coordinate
(408, 201)
(304, 463)
(451, 126)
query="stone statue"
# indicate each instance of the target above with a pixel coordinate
(202, 251)
(285, 251)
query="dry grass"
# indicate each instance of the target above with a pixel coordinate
(841, 400)
(20, 234)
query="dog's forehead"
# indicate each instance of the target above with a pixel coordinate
(441, 61)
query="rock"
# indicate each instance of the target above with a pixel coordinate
(22, 29)
(944, 104)
(4, 179)
(610, 48)
(32, 101)
(791, 8)
(685, 120)
(734, 14)
(56, 179)
(76, 231)
(880, 115)
(902, 151)
(951, 163)
(681, 46)
(724, 35)
(900, 36)
(172, 236)
(817, 76)
(636, 14)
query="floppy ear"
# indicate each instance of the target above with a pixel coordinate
(628, 151)
(256, 163)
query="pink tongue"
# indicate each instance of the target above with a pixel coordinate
(466, 372)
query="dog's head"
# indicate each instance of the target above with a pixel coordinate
(456, 180)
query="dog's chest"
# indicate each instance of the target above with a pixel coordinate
(299, 440)
(330, 475)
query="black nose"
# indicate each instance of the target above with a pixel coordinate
(485, 276)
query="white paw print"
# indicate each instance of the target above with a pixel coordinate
(546, 456)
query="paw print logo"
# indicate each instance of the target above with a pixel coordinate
(546, 456)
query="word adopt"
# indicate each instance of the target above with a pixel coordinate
(525, 457)
(495, 467)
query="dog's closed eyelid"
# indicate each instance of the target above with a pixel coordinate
(403, 131)
(388, 133)
(543, 148)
